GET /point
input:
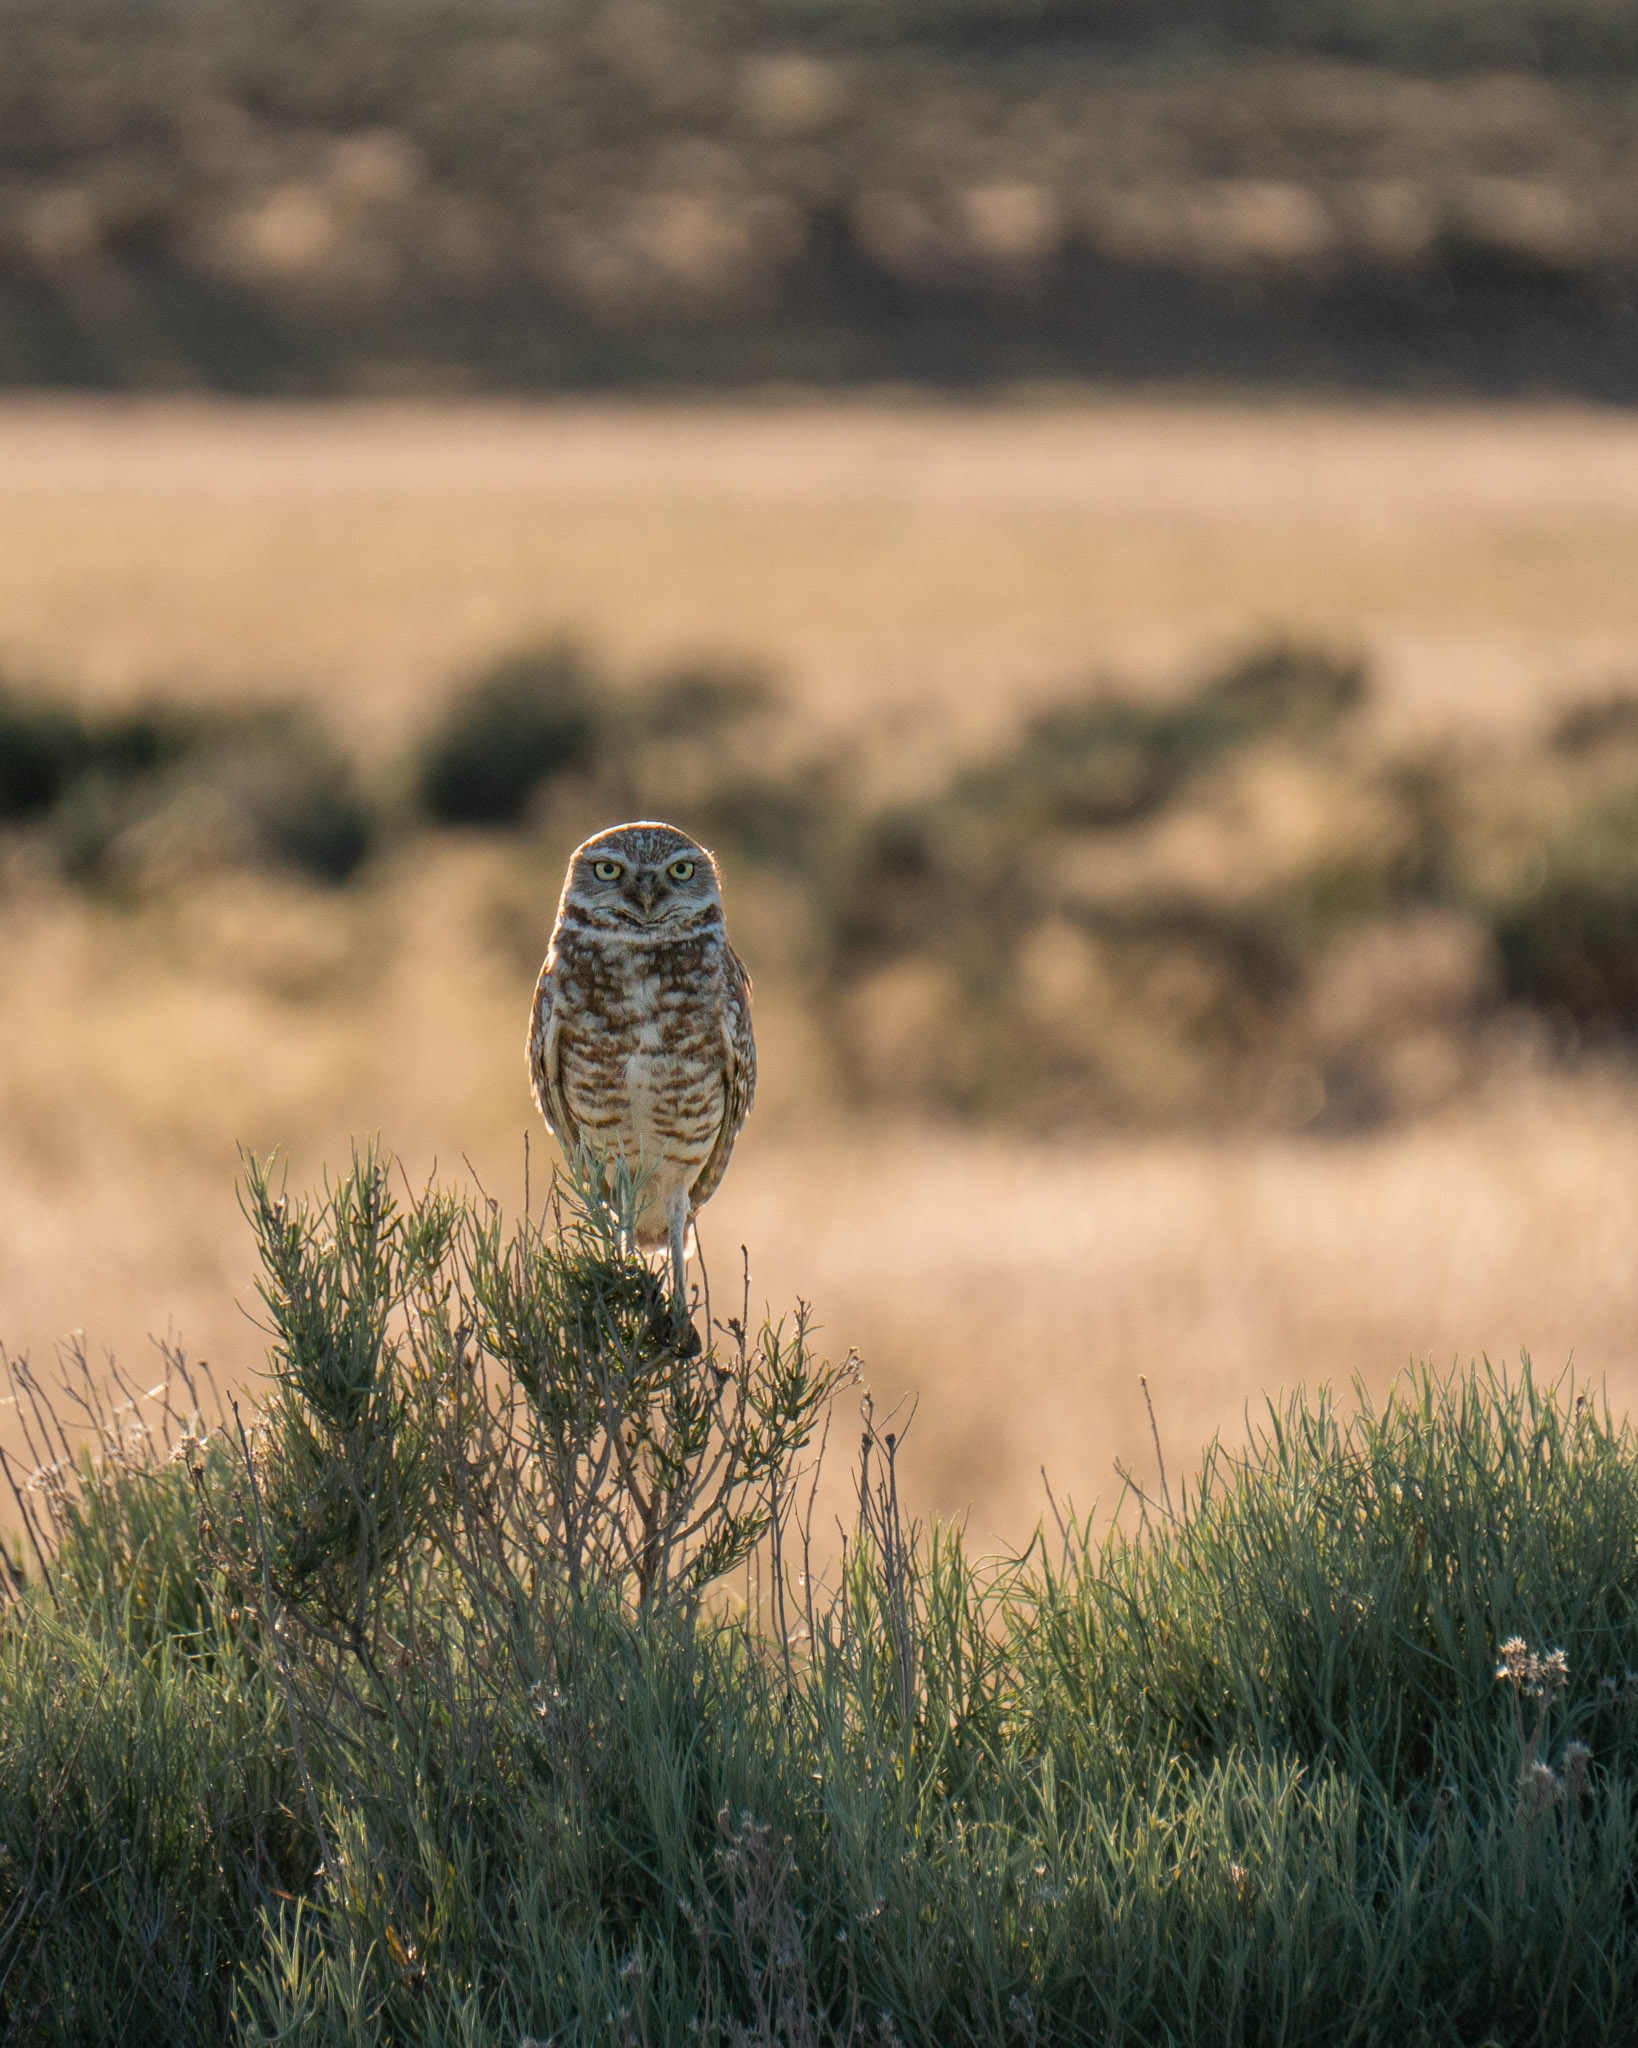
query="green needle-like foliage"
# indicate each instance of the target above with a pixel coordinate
(399, 1709)
(341, 1466)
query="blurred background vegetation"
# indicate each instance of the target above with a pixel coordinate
(326, 196)
(1179, 811)
(1231, 901)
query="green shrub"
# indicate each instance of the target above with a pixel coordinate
(48, 746)
(1118, 916)
(1570, 944)
(301, 794)
(163, 803)
(700, 703)
(43, 746)
(524, 722)
(164, 791)
(700, 743)
(707, 743)
(1338, 1745)
(1112, 759)
(1548, 856)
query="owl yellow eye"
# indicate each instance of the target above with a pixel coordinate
(607, 870)
(680, 870)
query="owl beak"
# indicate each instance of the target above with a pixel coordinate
(646, 890)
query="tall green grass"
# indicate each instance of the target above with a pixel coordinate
(1238, 1769)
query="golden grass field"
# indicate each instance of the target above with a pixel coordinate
(918, 574)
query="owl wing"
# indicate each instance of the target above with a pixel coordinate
(545, 1070)
(739, 1074)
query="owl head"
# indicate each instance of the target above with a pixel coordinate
(644, 875)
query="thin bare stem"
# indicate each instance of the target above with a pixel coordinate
(1160, 1455)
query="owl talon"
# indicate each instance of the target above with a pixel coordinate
(668, 1326)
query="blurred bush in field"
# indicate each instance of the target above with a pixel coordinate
(547, 735)
(1554, 868)
(1233, 901)
(1237, 903)
(1166, 910)
(47, 748)
(525, 722)
(383, 194)
(162, 794)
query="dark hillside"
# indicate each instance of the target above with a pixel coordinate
(1416, 195)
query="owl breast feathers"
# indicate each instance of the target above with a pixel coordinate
(640, 1045)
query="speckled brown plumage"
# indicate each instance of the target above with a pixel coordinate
(640, 1044)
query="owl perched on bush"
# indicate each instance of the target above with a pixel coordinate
(640, 1046)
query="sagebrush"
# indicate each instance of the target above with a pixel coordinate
(366, 1714)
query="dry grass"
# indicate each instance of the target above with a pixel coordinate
(894, 558)
(1021, 1290)
(919, 570)
(1024, 1290)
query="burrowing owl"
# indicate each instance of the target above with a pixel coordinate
(640, 1045)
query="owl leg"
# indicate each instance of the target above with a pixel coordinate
(677, 1220)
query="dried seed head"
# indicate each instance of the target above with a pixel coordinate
(189, 1450)
(1515, 1660)
(1527, 1673)
(1540, 1790)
